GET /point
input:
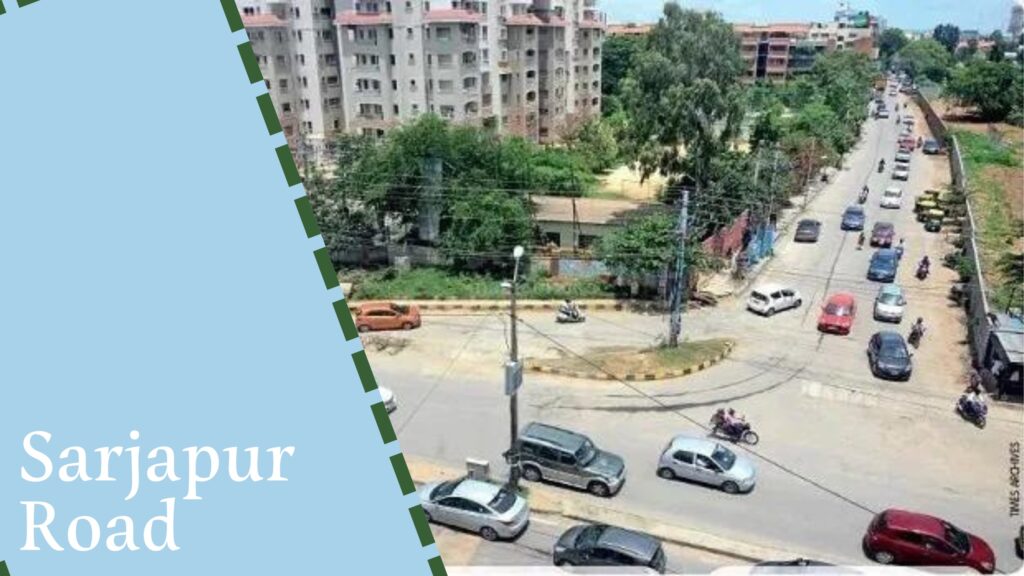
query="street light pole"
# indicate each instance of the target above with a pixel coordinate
(513, 399)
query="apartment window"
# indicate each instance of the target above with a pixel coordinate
(531, 74)
(332, 80)
(596, 67)
(328, 35)
(447, 112)
(289, 131)
(302, 59)
(444, 60)
(286, 107)
(485, 55)
(391, 33)
(327, 12)
(427, 32)
(597, 52)
(387, 7)
(395, 109)
(408, 33)
(283, 84)
(412, 59)
(595, 102)
(337, 124)
(300, 35)
(426, 6)
(430, 59)
(331, 59)
(529, 30)
(280, 37)
(249, 11)
(334, 102)
(394, 84)
(483, 29)
(468, 83)
(445, 86)
(296, 12)
(279, 60)
(530, 53)
(305, 82)
(444, 33)
(267, 82)
(393, 60)
(412, 85)
(408, 6)
(415, 109)
(305, 104)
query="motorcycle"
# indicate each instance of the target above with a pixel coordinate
(922, 272)
(881, 166)
(976, 416)
(863, 196)
(740, 432)
(915, 337)
(563, 318)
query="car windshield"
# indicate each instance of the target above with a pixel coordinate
(724, 458)
(883, 259)
(957, 538)
(888, 298)
(586, 454)
(444, 489)
(503, 501)
(589, 536)
(837, 310)
(854, 212)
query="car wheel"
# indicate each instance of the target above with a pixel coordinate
(730, 487)
(407, 326)
(531, 473)
(770, 312)
(488, 533)
(598, 489)
(562, 562)
(666, 473)
(883, 557)
(799, 303)
(364, 328)
(427, 516)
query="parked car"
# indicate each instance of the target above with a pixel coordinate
(1019, 543)
(488, 509)
(603, 545)
(910, 538)
(883, 266)
(931, 147)
(800, 566)
(903, 157)
(892, 197)
(807, 230)
(889, 357)
(882, 234)
(853, 218)
(837, 314)
(882, 114)
(771, 298)
(889, 303)
(899, 172)
(566, 457)
(708, 462)
(387, 396)
(387, 316)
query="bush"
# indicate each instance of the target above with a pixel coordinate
(440, 284)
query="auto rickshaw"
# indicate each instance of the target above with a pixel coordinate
(934, 223)
(922, 206)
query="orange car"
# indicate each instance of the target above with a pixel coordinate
(387, 316)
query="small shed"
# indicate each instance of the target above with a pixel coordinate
(566, 223)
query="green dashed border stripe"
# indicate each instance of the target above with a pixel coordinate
(3, 565)
(330, 278)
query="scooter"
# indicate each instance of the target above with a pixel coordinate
(863, 196)
(922, 272)
(915, 337)
(563, 318)
(881, 166)
(975, 416)
(742, 432)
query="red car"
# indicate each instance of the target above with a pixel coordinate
(909, 538)
(387, 316)
(837, 314)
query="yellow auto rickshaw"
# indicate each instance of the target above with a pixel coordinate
(934, 222)
(922, 206)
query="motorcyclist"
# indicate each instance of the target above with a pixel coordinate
(917, 331)
(899, 250)
(974, 404)
(924, 266)
(733, 424)
(920, 142)
(569, 309)
(860, 241)
(881, 165)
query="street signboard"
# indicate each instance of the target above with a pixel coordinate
(513, 377)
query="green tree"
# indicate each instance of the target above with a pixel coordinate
(482, 226)
(685, 90)
(617, 55)
(924, 59)
(999, 47)
(768, 128)
(891, 41)
(644, 246)
(594, 143)
(948, 35)
(995, 89)
(968, 52)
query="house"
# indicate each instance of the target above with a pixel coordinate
(569, 224)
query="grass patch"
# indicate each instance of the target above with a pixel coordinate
(440, 284)
(622, 361)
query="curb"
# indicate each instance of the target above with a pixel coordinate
(634, 376)
(499, 305)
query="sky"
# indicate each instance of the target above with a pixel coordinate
(982, 15)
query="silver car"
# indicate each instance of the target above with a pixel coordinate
(889, 303)
(708, 462)
(488, 509)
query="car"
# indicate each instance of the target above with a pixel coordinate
(882, 234)
(853, 218)
(708, 462)
(800, 566)
(387, 316)
(888, 356)
(899, 172)
(604, 545)
(931, 147)
(566, 457)
(892, 197)
(903, 157)
(838, 313)
(881, 113)
(911, 538)
(889, 303)
(493, 511)
(771, 298)
(807, 230)
(883, 266)
(387, 396)
(907, 120)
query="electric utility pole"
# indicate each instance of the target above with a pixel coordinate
(675, 323)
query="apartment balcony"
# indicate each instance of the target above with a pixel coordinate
(368, 93)
(354, 18)
(366, 68)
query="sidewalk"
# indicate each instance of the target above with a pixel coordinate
(567, 504)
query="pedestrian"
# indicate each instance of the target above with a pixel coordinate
(899, 250)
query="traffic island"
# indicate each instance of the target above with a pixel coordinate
(632, 364)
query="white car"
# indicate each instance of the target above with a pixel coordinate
(903, 157)
(900, 172)
(487, 509)
(387, 396)
(892, 197)
(771, 298)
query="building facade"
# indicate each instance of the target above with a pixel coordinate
(1016, 26)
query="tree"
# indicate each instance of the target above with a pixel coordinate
(967, 52)
(482, 226)
(891, 41)
(644, 246)
(684, 90)
(924, 59)
(995, 89)
(948, 35)
(616, 60)
(595, 144)
(767, 128)
(998, 51)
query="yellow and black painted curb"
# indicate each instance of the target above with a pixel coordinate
(634, 376)
(498, 305)
(330, 278)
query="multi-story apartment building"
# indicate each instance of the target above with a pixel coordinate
(295, 43)
(768, 49)
(527, 67)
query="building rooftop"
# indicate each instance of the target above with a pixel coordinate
(263, 21)
(453, 15)
(628, 29)
(787, 27)
(532, 20)
(588, 210)
(353, 18)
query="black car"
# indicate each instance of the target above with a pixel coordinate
(807, 231)
(931, 147)
(853, 218)
(1019, 542)
(603, 545)
(800, 566)
(889, 357)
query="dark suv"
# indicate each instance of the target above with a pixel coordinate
(562, 456)
(602, 545)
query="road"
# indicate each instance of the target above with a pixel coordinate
(837, 444)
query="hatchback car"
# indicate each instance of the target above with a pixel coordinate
(884, 265)
(387, 396)
(899, 172)
(903, 157)
(708, 462)
(882, 234)
(837, 314)
(853, 218)
(910, 538)
(771, 298)
(888, 356)
(566, 457)
(387, 316)
(807, 230)
(931, 147)
(603, 545)
(889, 303)
(882, 113)
(892, 197)
(487, 509)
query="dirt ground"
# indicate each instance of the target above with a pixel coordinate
(624, 182)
